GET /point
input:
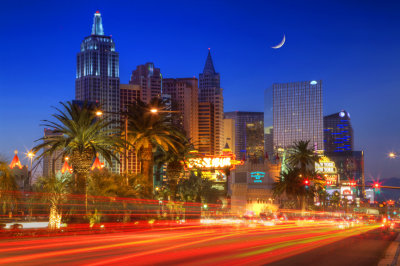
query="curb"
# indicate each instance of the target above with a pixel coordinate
(392, 253)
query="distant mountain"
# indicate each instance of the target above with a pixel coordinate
(385, 193)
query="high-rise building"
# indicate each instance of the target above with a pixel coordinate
(52, 164)
(268, 124)
(97, 75)
(338, 132)
(242, 119)
(229, 133)
(184, 98)
(255, 141)
(210, 91)
(129, 94)
(206, 128)
(149, 79)
(297, 114)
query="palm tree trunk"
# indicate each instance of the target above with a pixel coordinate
(147, 170)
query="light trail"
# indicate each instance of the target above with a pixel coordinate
(233, 245)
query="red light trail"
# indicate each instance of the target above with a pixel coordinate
(233, 245)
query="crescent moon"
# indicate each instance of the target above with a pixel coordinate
(280, 44)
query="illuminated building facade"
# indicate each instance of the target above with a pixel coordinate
(129, 93)
(297, 114)
(184, 98)
(206, 128)
(20, 173)
(247, 122)
(255, 141)
(52, 164)
(149, 79)
(97, 75)
(268, 124)
(350, 167)
(250, 188)
(338, 132)
(210, 92)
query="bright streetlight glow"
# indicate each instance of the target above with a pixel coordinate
(30, 154)
(154, 110)
(392, 155)
(99, 113)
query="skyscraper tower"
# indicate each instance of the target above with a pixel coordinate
(338, 132)
(242, 121)
(149, 79)
(297, 114)
(184, 98)
(97, 75)
(211, 92)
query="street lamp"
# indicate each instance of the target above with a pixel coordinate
(100, 113)
(30, 155)
(392, 155)
(155, 110)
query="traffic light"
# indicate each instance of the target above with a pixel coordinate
(306, 183)
(376, 185)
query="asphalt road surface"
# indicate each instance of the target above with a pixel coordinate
(309, 243)
(363, 249)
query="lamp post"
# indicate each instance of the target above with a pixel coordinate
(30, 155)
(100, 113)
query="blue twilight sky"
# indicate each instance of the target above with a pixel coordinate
(353, 46)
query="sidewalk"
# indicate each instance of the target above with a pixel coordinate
(392, 257)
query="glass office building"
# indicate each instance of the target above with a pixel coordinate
(297, 114)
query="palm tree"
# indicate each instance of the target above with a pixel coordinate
(8, 187)
(149, 131)
(335, 199)
(175, 166)
(80, 135)
(197, 188)
(300, 155)
(109, 190)
(54, 190)
(291, 184)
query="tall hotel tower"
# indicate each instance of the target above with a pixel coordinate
(97, 75)
(211, 110)
(338, 132)
(297, 114)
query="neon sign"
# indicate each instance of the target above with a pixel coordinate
(328, 168)
(257, 177)
(325, 166)
(209, 162)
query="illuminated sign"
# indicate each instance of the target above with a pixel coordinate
(328, 168)
(209, 162)
(325, 166)
(346, 191)
(257, 177)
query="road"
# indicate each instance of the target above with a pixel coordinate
(288, 244)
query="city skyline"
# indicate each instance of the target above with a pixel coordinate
(356, 93)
